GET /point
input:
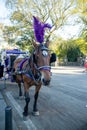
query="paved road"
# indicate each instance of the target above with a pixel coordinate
(62, 105)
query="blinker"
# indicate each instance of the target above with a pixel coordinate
(45, 53)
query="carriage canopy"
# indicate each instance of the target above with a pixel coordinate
(15, 51)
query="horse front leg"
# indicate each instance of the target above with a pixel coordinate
(20, 90)
(35, 110)
(27, 100)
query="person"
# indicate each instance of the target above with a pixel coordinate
(85, 65)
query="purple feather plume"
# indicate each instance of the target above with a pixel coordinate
(39, 29)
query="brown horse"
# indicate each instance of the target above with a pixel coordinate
(34, 70)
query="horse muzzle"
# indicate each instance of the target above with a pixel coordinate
(45, 75)
(46, 82)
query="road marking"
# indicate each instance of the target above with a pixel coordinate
(28, 122)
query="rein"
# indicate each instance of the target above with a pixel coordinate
(31, 74)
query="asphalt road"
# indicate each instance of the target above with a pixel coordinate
(62, 105)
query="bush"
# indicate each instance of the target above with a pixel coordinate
(73, 53)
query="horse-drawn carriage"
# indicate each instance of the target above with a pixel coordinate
(36, 69)
(7, 59)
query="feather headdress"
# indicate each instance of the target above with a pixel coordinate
(39, 29)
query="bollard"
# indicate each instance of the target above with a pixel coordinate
(8, 118)
(19, 127)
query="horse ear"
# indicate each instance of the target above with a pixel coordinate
(47, 43)
(34, 44)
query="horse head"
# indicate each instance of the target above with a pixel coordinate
(42, 60)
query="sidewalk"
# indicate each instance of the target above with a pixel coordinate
(68, 69)
(2, 113)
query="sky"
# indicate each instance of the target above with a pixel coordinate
(4, 12)
(70, 31)
(66, 32)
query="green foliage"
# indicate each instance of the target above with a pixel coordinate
(69, 49)
(82, 45)
(58, 46)
(81, 6)
(84, 30)
(84, 34)
(73, 53)
(17, 16)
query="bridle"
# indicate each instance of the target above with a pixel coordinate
(36, 67)
(45, 67)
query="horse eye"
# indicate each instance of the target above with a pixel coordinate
(45, 53)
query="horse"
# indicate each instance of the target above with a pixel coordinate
(33, 71)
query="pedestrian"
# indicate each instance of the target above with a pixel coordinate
(85, 65)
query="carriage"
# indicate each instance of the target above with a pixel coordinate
(7, 59)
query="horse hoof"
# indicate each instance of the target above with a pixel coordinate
(25, 118)
(21, 97)
(36, 113)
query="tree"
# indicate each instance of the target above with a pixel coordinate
(69, 49)
(73, 53)
(55, 11)
(82, 45)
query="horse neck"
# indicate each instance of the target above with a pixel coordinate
(32, 65)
